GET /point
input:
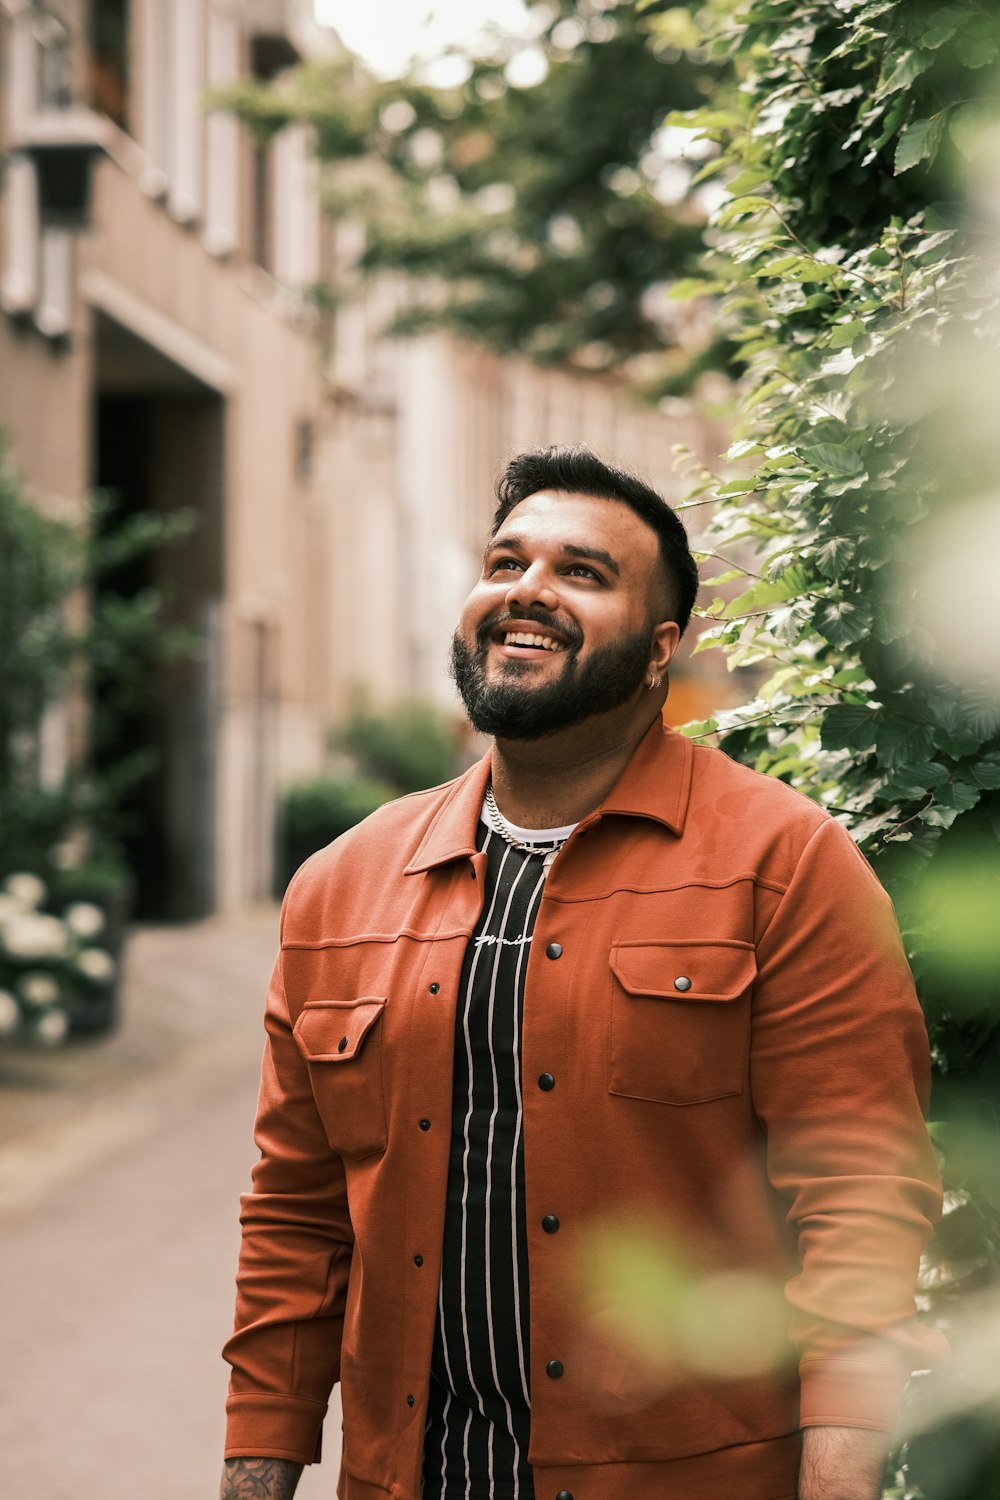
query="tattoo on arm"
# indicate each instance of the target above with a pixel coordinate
(259, 1479)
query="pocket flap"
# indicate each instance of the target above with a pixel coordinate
(333, 1030)
(685, 970)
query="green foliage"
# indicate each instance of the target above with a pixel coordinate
(61, 632)
(408, 747)
(534, 218)
(411, 746)
(319, 809)
(860, 517)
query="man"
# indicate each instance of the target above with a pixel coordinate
(603, 978)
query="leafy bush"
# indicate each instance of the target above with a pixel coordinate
(321, 808)
(55, 969)
(408, 747)
(861, 508)
(63, 633)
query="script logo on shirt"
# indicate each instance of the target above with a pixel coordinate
(490, 940)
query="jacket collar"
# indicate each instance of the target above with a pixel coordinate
(655, 784)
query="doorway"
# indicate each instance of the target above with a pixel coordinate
(158, 446)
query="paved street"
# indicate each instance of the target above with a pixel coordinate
(120, 1167)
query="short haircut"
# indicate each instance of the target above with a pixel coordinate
(578, 471)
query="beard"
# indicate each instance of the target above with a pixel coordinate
(510, 708)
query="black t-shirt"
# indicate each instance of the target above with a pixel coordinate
(479, 1413)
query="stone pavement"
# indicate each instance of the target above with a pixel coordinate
(121, 1162)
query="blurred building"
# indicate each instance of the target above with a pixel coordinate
(173, 354)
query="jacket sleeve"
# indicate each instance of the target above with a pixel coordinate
(294, 1264)
(840, 1076)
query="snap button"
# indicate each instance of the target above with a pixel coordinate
(342, 1044)
(550, 1223)
(565, 1494)
(546, 1081)
(434, 988)
(682, 982)
(554, 1369)
(554, 950)
(411, 1401)
(418, 1260)
(425, 1124)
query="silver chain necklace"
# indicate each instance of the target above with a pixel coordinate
(499, 824)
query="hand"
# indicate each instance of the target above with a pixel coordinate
(259, 1479)
(842, 1463)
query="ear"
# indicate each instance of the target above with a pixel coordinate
(666, 639)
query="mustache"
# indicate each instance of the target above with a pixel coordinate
(571, 634)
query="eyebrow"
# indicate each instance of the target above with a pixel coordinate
(570, 549)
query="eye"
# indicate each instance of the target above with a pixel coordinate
(504, 565)
(580, 570)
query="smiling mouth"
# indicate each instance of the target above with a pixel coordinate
(529, 640)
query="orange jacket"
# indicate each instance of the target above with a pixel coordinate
(768, 1115)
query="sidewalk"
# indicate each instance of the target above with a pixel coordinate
(192, 1019)
(121, 1164)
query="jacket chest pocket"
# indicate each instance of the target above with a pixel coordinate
(680, 1019)
(341, 1040)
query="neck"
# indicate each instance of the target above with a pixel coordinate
(559, 779)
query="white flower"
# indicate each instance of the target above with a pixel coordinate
(10, 1013)
(84, 919)
(32, 934)
(26, 889)
(9, 906)
(96, 964)
(38, 988)
(52, 1027)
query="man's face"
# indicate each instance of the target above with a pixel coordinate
(562, 623)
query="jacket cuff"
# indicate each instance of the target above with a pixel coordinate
(844, 1392)
(273, 1426)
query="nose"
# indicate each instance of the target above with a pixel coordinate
(533, 586)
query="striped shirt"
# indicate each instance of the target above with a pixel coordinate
(479, 1413)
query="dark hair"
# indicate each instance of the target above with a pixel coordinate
(579, 471)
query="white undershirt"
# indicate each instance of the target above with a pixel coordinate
(531, 835)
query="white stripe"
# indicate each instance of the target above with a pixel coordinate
(465, 1451)
(518, 1132)
(444, 1441)
(525, 867)
(465, 1153)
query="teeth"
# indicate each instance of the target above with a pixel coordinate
(522, 638)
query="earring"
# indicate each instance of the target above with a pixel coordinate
(653, 682)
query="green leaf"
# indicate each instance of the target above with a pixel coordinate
(740, 208)
(742, 448)
(835, 554)
(767, 591)
(977, 44)
(690, 287)
(918, 142)
(984, 774)
(958, 795)
(833, 458)
(915, 780)
(699, 728)
(728, 577)
(899, 741)
(844, 622)
(748, 179)
(845, 334)
(943, 25)
(904, 69)
(848, 726)
(970, 124)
